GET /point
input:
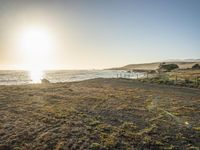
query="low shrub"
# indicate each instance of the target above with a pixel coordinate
(167, 67)
(196, 66)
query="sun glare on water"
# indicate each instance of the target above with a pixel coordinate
(36, 75)
(37, 46)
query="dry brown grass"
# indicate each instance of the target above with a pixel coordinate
(99, 114)
(180, 77)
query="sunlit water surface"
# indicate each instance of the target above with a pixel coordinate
(27, 77)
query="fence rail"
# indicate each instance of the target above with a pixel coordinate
(165, 78)
(133, 75)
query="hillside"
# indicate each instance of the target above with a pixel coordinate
(153, 66)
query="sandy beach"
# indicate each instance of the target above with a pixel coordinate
(99, 114)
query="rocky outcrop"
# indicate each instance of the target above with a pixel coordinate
(45, 81)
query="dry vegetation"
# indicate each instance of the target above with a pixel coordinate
(180, 77)
(99, 114)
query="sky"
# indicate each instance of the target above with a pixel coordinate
(96, 34)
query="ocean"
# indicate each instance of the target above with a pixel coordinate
(16, 77)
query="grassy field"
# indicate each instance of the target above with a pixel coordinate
(180, 77)
(99, 114)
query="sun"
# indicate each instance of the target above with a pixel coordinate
(37, 46)
(36, 75)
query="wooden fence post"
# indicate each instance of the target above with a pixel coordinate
(176, 79)
(196, 80)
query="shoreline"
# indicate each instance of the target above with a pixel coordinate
(140, 81)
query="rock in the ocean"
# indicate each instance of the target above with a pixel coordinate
(45, 81)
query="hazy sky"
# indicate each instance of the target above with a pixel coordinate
(103, 33)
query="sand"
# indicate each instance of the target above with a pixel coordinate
(99, 114)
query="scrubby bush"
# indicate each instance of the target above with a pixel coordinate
(187, 81)
(196, 66)
(167, 67)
